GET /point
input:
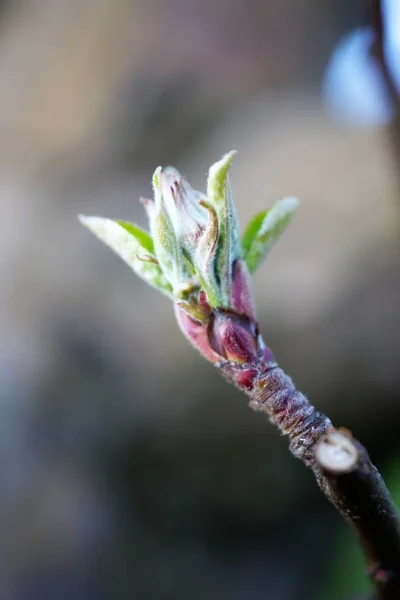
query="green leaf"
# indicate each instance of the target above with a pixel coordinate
(204, 255)
(161, 216)
(264, 229)
(228, 248)
(133, 245)
(142, 237)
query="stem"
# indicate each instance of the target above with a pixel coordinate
(275, 394)
(353, 484)
(340, 464)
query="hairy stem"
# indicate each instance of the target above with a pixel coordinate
(341, 465)
(275, 394)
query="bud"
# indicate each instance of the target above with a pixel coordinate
(242, 292)
(223, 335)
(234, 337)
(185, 233)
(194, 256)
(197, 334)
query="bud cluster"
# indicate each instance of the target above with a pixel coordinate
(194, 255)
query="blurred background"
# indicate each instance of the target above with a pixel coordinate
(128, 467)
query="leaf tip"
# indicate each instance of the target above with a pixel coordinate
(156, 178)
(221, 167)
(289, 204)
(83, 218)
(90, 222)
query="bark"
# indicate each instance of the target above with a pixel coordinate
(341, 465)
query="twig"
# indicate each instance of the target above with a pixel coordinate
(343, 471)
(353, 484)
(197, 259)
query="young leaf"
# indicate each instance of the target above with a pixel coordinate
(133, 245)
(228, 248)
(264, 229)
(142, 237)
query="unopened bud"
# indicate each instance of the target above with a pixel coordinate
(233, 337)
(196, 332)
(242, 292)
(194, 255)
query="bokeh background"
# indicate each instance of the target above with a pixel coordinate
(128, 467)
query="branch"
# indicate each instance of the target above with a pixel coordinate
(343, 470)
(353, 484)
(194, 256)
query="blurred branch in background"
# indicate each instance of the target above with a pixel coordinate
(384, 15)
(379, 18)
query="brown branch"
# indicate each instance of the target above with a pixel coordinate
(340, 464)
(353, 484)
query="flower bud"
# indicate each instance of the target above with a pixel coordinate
(194, 255)
(185, 233)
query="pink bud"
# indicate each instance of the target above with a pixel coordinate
(196, 333)
(242, 293)
(233, 337)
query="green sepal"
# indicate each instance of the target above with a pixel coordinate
(264, 230)
(133, 245)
